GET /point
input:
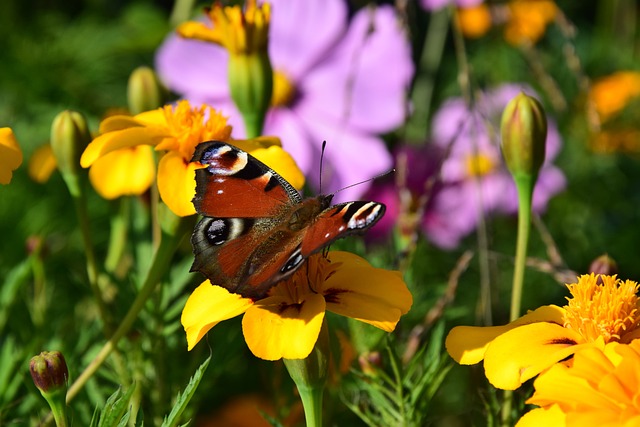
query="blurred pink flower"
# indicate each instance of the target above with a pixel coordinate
(432, 5)
(345, 82)
(472, 179)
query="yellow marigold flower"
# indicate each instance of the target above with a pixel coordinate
(10, 155)
(595, 315)
(42, 163)
(475, 21)
(601, 387)
(612, 93)
(176, 130)
(528, 20)
(241, 33)
(286, 323)
(129, 171)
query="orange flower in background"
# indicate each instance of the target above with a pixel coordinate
(601, 387)
(176, 131)
(286, 324)
(596, 314)
(475, 21)
(611, 97)
(10, 155)
(528, 19)
(42, 164)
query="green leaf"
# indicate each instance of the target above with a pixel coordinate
(115, 411)
(183, 398)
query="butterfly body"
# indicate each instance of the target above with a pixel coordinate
(256, 229)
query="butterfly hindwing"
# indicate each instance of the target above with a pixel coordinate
(234, 184)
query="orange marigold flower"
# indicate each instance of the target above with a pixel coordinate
(475, 21)
(10, 155)
(595, 315)
(528, 20)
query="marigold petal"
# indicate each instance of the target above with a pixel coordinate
(523, 352)
(206, 307)
(276, 328)
(269, 151)
(177, 183)
(467, 344)
(124, 172)
(548, 416)
(119, 122)
(372, 295)
(116, 140)
(42, 163)
(198, 31)
(10, 155)
(155, 117)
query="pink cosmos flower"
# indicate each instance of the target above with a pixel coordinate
(472, 180)
(339, 80)
(432, 5)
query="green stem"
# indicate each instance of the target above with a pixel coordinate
(310, 376)
(160, 264)
(58, 407)
(181, 12)
(118, 235)
(525, 191)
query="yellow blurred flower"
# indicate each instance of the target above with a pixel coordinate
(528, 19)
(595, 314)
(286, 323)
(10, 155)
(42, 164)
(601, 387)
(241, 33)
(475, 21)
(176, 130)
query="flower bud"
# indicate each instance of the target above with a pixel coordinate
(49, 371)
(604, 264)
(144, 91)
(370, 363)
(69, 137)
(524, 135)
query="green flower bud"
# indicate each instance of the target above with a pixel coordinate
(144, 91)
(49, 371)
(69, 137)
(524, 135)
(251, 85)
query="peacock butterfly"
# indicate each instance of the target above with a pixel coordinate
(257, 230)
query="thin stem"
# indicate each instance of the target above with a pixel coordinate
(312, 403)
(118, 236)
(524, 226)
(160, 263)
(181, 11)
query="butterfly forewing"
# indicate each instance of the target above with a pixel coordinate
(236, 184)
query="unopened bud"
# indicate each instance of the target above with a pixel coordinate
(69, 137)
(144, 91)
(604, 264)
(370, 363)
(49, 371)
(524, 135)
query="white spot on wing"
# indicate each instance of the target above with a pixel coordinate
(358, 221)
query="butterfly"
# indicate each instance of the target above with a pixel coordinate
(256, 229)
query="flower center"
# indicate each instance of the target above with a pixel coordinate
(479, 165)
(283, 90)
(191, 126)
(608, 310)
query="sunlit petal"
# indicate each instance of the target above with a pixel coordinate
(522, 353)
(276, 327)
(115, 140)
(128, 171)
(467, 344)
(550, 416)
(119, 122)
(42, 163)
(372, 295)
(177, 183)
(10, 155)
(206, 307)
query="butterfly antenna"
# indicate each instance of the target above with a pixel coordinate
(366, 180)
(324, 144)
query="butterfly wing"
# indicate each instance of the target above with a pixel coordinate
(234, 184)
(339, 221)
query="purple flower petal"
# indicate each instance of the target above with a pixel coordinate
(193, 68)
(302, 32)
(432, 5)
(284, 124)
(365, 79)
